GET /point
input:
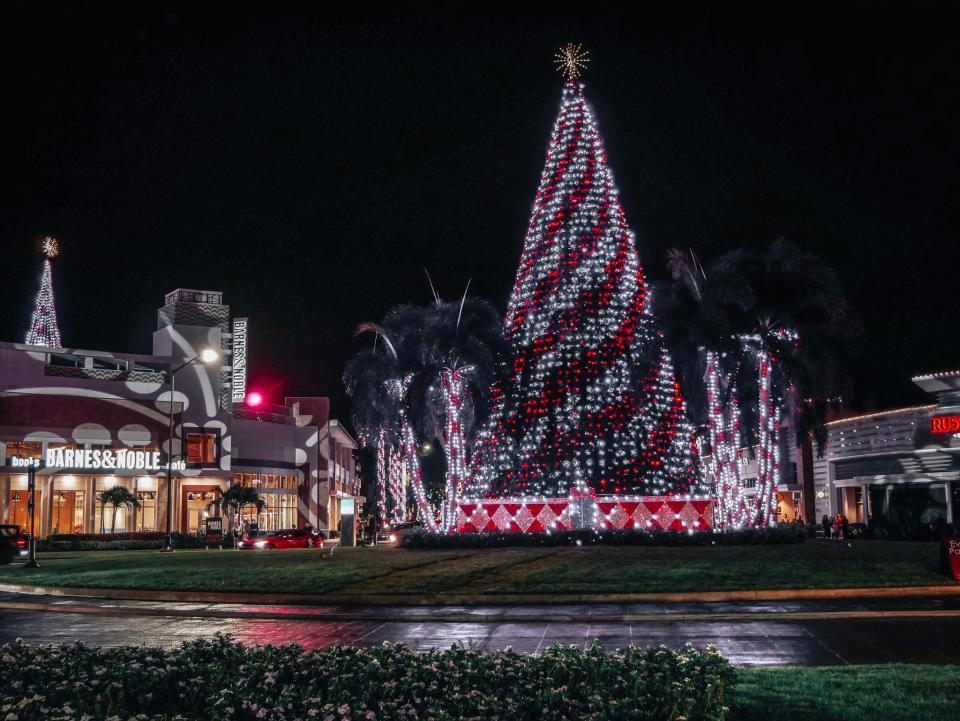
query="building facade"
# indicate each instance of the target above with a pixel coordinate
(897, 470)
(164, 423)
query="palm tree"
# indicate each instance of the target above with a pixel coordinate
(779, 309)
(238, 497)
(116, 497)
(430, 375)
(367, 377)
(462, 352)
(401, 334)
(700, 311)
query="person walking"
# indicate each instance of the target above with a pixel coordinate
(825, 522)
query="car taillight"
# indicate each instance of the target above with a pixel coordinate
(21, 542)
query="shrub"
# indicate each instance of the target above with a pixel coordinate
(116, 541)
(420, 538)
(221, 679)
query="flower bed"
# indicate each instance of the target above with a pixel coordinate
(224, 680)
(419, 538)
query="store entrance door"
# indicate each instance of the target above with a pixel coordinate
(196, 504)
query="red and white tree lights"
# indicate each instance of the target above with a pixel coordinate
(769, 412)
(592, 401)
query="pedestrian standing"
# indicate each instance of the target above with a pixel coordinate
(825, 522)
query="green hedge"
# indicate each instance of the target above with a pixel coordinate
(222, 680)
(420, 538)
(120, 541)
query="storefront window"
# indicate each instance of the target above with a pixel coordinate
(201, 448)
(24, 449)
(19, 509)
(147, 513)
(68, 511)
(279, 512)
(908, 511)
(266, 480)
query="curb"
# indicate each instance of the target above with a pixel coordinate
(460, 618)
(333, 599)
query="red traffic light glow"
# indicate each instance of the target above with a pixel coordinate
(254, 399)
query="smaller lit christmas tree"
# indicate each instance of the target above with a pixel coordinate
(43, 325)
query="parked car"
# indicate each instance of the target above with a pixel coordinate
(13, 544)
(390, 533)
(284, 538)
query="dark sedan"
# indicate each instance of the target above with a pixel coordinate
(13, 544)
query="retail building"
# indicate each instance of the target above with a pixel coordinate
(100, 419)
(899, 469)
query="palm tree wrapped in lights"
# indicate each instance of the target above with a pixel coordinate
(368, 378)
(699, 334)
(462, 351)
(429, 375)
(399, 336)
(723, 336)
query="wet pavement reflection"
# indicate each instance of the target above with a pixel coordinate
(767, 636)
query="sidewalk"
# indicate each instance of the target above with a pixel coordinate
(445, 599)
(704, 608)
(748, 633)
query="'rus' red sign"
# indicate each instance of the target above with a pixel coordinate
(945, 424)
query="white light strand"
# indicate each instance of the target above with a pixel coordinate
(382, 473)
(398, 490)
(452, 384)
(410, 450)
(724, 425)
(43, 324)
(592, 399)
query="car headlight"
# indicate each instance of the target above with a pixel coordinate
(393, 538)
(260, 544)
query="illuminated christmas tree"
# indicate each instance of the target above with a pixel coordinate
(592, 405)
(43, 325)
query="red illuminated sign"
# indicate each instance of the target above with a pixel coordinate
(945, 424)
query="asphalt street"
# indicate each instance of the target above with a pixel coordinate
(908, 630)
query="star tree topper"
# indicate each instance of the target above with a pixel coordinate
(571, 60)
(50, 247)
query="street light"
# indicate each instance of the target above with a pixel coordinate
(31, 504)
(206, 356)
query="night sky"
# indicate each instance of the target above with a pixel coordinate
(310, 167)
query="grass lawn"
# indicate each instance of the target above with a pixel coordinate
(602, 569)
(847, 693)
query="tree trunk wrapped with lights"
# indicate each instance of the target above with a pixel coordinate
(454, 444)
(411, 449)
(382, 473)
(398, 490)
(592, 402)
(724, 426)
(765, 346)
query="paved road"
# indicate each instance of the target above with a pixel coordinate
(749, 634)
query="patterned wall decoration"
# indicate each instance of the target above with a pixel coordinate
(536, 515)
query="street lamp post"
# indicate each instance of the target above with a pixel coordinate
(206, 356)
(31, 504)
